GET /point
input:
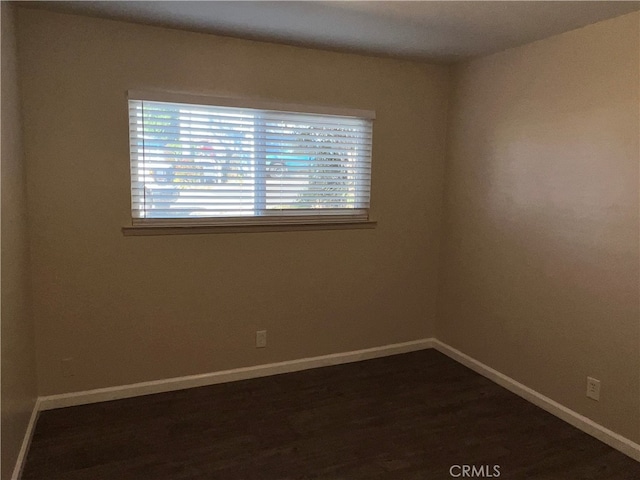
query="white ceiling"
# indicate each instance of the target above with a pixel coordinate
(437, 31)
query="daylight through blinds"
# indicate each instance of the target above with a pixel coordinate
(207, 162)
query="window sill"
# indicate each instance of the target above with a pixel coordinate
(149, 230)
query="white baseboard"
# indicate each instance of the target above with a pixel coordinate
(24, 448)
(180, 383)
(581, 422)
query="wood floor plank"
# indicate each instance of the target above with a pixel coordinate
(404, 417)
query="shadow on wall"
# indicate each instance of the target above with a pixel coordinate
(541, 262)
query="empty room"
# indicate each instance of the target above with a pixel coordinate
(320, 240)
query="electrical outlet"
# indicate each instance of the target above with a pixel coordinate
(593, 388)
(68, 367)
(261, 338)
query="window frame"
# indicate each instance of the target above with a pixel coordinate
(265, 222)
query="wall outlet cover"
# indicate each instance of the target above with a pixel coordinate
(261, 338)
(593, 388)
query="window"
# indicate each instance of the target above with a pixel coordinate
(207, 161)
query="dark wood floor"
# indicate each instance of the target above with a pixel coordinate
(406, 417)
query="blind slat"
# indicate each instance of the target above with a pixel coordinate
(238, 116)
(193, 161)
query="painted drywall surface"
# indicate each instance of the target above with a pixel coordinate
(131, 309)
(539, 272)
(19, 387)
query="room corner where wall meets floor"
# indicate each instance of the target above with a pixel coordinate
(167, 390)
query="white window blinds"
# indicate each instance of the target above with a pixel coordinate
(207, 164)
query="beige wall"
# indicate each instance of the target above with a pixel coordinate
(539, 268)
(131, 309)
(540, 244)
(18, 358)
